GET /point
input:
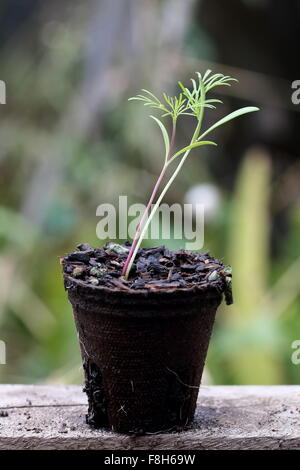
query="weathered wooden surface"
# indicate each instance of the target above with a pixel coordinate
(228, 417)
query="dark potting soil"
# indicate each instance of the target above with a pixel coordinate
(154, 269)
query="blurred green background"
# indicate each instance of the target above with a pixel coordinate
(69, 141)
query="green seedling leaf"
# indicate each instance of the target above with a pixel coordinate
(165, 135)
(151, 94)
(205, 76)
(192, 146)
(233, 115)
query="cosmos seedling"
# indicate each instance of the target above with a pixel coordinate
(189, 102)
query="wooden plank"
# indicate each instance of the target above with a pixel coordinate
(227, 417)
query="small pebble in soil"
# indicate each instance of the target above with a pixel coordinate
(78, 271)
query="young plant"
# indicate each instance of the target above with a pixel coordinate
(189, 102)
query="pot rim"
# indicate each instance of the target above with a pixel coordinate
(212, 287)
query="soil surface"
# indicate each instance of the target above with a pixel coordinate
(154, 268)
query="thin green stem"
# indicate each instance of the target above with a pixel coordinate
(128, 263)
(154, 209)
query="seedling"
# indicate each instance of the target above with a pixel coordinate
(189, 102)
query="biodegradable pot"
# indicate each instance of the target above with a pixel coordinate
(143, 353)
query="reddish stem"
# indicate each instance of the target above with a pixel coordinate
(155, 189)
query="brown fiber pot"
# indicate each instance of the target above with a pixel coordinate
(143, 353)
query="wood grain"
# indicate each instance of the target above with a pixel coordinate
(227, 417)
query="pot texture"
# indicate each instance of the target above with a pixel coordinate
(143, 353)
